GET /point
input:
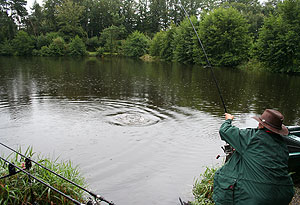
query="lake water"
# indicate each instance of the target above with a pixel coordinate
(140, 132)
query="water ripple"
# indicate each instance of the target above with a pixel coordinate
(132, 119)
(133, 113)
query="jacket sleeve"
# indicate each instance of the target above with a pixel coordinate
(234, 136)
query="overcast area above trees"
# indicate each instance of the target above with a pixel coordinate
(234, 33)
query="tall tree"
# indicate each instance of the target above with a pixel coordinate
(15, 9)
(136, 45)
(155, 13)
(169, 44)
(35, 19)
(225, 36)
(8, 27)
(23, 43)
(68, 17)
(111, 36)
(102, 14)
(85, 16)
(127, 12)
(12, 13)
(252, 12)
(278, 45)
(50, 23)
(184, 41)
(271, 7)
(157, 43)
(142, 15)
(175, 12)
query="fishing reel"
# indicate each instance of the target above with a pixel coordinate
(228, 150)
(97, 199)
(92, 201)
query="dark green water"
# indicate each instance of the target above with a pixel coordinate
(140, 132)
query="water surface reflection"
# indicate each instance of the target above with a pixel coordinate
(141, 132)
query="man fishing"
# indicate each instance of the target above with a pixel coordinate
(257, 172)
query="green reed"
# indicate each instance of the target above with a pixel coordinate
(18, 189)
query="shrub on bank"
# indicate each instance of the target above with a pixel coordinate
(45, 51)
(77, 47)
(278, 44)
(92, 43)
(203, 187)
(6, 48)
(183, 50)
(157, 43)
(100, 51)
(18, 190)
(23, 44)
(42, 41)
(226, 37)
(136, 45)
(57, 47)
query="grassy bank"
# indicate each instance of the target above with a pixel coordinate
(203, 187)
(18, 189)
(92, 54)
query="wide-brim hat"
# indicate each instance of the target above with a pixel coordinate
(273, 121)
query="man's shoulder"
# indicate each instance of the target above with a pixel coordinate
(249, 131)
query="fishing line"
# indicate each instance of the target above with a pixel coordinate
(206, 57)
(208, 65)
(96, 196)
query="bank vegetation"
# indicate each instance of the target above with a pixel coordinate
(22, 189)
(235, 33)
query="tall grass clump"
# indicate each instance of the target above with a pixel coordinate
(203, 188)
(18, 189)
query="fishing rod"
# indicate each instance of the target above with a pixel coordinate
(227, 148)
(211, 70)
(206, 57)
(96, 196)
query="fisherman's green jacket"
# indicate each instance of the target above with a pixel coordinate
(257, 172)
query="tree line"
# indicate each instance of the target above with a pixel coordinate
(234, 32)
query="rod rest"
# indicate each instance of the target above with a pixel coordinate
(293, 128)
(297, 133)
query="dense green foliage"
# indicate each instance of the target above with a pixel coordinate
(68, 18)
(77, 47)
(225, 32)
(184, 43)
(228, 42)
(17, 189)
(6, 48)
(203, 188)
(278, 44)
(169, 45)
(162, 44)
(157, 43)
(229, 30)
(23, 43)
(111, 37)
(92, 43)
(136, 45)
